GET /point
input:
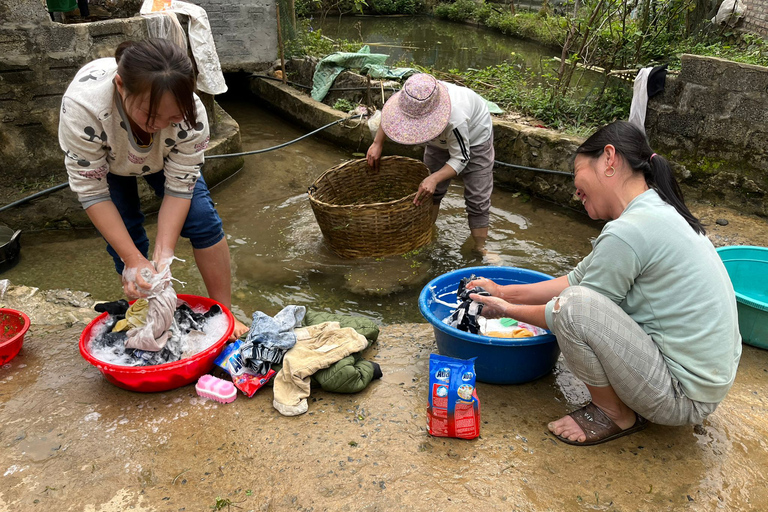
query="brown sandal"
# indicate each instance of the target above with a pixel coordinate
(598, 427)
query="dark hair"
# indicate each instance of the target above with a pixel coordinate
(157, 66)
(631, 144)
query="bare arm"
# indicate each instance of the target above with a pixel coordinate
(428, 185)
(107, 220)
(170, 220)
(534, 294)
(374, 152)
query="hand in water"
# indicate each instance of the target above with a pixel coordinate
(494, 307)
(136, 278)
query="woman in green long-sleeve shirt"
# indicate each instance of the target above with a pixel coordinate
(648, 319)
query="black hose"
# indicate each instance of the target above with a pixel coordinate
(546, 171)
(33, 196)
(302, 86)
(257, 151)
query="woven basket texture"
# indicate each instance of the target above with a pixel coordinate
(363, 213)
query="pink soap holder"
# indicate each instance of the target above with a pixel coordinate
(215, 388)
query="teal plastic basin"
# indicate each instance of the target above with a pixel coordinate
(747, 267)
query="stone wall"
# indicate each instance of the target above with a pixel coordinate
(245, 32)
(756, 17)
(712, 120)
(38, 59)
(37, 62)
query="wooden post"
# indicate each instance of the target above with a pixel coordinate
(280, 40)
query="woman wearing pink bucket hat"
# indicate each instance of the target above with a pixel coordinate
(455, 125)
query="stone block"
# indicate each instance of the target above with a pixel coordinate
(753, 109)
(701, 99)
(746, 79)
(699, 70)
(685, 125)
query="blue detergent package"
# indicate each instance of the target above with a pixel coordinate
(454, 409)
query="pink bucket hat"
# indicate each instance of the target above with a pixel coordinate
(418, 113)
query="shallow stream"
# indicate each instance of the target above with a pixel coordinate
(277, 249)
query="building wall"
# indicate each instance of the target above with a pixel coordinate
(756, 17)
(245, 32)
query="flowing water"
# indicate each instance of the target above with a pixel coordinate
(277, 249)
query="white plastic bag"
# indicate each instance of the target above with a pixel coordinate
(210, 79)
(730, 12)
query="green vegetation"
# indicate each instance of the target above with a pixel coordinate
(518, 90)
(616, 34)
(344, 105)
(613, 35)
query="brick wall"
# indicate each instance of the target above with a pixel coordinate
(756, 17)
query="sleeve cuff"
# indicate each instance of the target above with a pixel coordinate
(456, 165)
(87, 203)
(181, 195)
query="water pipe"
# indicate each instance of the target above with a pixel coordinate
(284, 144)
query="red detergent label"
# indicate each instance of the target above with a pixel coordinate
(454, 409)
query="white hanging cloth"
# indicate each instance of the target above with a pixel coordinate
(210, 79)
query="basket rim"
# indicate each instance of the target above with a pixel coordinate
(312, 188)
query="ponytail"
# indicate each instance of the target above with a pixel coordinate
(632, 145)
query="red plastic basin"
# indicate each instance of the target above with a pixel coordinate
(13, 326)
(162, 377)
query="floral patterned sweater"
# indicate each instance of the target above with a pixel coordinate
(96, 137)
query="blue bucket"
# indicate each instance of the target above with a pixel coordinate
(747, 267)
(499, 360)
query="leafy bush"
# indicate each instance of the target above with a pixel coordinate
(395, 6)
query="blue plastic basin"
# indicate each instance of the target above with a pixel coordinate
(747, 267)
(499, 360)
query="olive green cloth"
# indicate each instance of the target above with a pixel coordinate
(136, 316)
(353, 373)
(61, 5)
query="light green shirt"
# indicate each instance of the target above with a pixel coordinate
(671, 281)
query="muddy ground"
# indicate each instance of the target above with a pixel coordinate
(71, 441)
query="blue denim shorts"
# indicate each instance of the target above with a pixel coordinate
(202, 227)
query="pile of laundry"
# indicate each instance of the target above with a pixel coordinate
(126, 336)
(300, 348)
(156, 329)
(468, 317)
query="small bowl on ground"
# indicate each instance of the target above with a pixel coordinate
(747, 267)
(13, 326)
(499, 360)
(162, 377)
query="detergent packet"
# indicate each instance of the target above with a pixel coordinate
(454, 409)
(231, 361)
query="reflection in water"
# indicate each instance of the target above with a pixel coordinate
(278, 253)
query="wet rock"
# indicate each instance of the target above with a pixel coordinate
(721, 222)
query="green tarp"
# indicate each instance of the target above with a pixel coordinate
(368, 63)
(61, 5)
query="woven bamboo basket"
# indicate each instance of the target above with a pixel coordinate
(363, 213)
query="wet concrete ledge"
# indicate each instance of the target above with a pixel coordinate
(73, 442)
(528, 146)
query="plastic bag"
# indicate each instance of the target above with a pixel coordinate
(454, 409)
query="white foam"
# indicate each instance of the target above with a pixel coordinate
(192, 344)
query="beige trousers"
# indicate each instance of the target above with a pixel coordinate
(317, 347)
